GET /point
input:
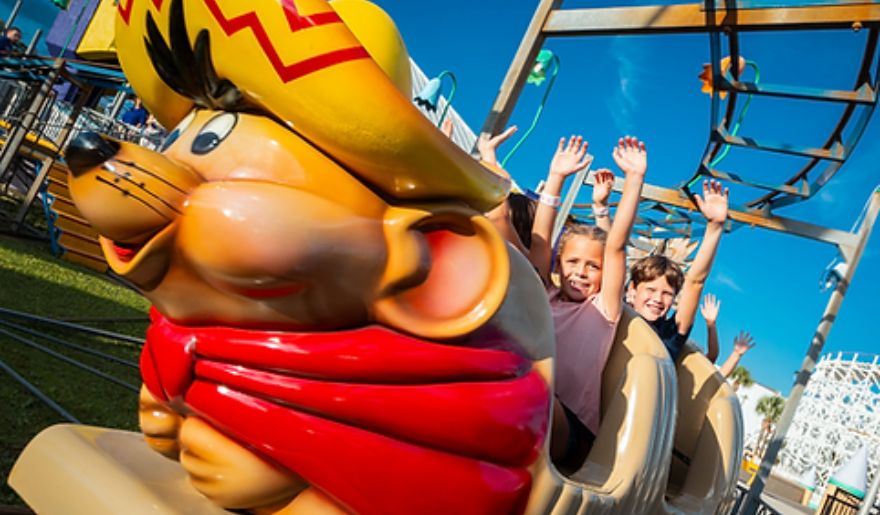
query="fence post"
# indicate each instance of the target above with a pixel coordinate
(19, 132)
(47, 163)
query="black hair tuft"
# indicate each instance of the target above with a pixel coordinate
(190, 71)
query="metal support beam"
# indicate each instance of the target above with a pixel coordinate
(10, 20)
(116, 106)
(753, 217)
(32, 46)
(802, 191)
(567, 204)
(836, 152)
(864, 94)
(20, 131)
(752, 501)
(689, 18)
(519, 69)
(47, 164)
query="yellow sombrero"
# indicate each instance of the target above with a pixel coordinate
(301, 61)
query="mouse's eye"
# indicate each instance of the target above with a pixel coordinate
(213, 133)
(173, 135)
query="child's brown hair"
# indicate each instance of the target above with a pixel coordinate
(652, 267)
(573, 229)
(522, 216)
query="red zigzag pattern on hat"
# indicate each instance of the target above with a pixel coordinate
(297, 22)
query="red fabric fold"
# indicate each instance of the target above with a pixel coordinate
(501, 421)
(368, 473)
(382, 422)
(368, 354)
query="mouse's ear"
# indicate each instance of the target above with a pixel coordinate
(447, 272)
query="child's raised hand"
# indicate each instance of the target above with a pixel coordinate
(743, 342)
(570, 158)
(487, 146)
(604, 182)
(713, 203)
(709, 308)
(631, 156)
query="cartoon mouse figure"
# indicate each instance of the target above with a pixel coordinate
(336, 328)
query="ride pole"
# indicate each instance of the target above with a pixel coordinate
(16, 136)
(46, 165)
(868, 501)
(13, 14)
(851, 256)
(32, 46)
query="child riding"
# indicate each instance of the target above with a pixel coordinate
(655, 281)
(587, 304)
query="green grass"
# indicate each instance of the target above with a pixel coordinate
(35, 218)
(33, 281)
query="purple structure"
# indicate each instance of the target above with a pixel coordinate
(69, 27)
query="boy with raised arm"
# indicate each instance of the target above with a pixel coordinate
(656, 280)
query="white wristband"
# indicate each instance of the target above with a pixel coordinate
(549, 200)
(600, 212)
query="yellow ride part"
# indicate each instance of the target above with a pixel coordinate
(34, 145)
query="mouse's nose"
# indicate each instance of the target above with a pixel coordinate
(88, 150)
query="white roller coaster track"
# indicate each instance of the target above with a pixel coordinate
(839, 413)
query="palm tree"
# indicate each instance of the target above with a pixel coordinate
(771, 408)
(741, 377)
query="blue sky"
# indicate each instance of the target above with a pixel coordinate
(647, 86)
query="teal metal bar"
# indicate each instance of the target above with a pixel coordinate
(450, 97)
(70, 361)
(54, 406)
(538, 112)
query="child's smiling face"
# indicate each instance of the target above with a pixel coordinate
(653, 299)
(580, 262)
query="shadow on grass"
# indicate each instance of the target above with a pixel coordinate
(36, 283)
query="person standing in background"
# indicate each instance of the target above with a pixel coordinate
(10, 41)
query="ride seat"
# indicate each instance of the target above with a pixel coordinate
(626, 470)
(708, 439)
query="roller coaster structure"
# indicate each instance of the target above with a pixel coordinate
(837, 415)
(668, 213)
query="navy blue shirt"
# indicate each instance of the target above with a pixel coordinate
(667, 330)
(136, 116)
(6, 45)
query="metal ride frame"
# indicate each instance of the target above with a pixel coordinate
(36, 111)
(27, 331)
(723, 21)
